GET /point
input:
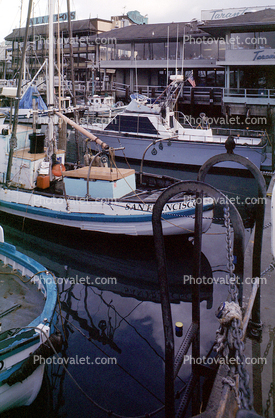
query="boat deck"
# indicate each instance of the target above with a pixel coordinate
(21, 302)
(99, 173)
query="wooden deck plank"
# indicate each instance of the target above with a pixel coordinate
(99, 173)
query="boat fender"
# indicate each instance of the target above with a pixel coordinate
(45, 350)
(57, 170)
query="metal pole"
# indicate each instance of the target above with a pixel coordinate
(13, 139)
(167, 320)
(72, 73)
(196, 296)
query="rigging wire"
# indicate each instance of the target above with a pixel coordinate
(119, 365)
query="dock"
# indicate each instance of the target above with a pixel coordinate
(260, 351)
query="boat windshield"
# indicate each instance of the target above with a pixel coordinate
(132, 124)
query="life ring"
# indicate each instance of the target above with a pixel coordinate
(57, 169)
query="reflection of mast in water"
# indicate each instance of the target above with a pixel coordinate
(57, 373)
(95, 333)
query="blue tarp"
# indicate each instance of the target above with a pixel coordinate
(26, 101)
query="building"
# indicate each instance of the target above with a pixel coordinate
(83, 43)
(248, 62)
(231, 59)
(37, 50)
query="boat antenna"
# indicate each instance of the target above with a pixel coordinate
(136, 74)
(13, 138)
(167, 75)
(186, 25)
(177, 46)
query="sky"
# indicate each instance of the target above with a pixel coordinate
(157, 11)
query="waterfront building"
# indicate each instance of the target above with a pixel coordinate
(230, 60)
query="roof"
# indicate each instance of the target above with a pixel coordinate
(264, 20)
(149, 32)
(85, 25)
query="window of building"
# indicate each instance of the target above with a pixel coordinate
(266, 40)
(192, 51)
(123, 52)
(209, 50)
(251, 40)
(144, 51)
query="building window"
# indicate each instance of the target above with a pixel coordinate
(266, 40)
(251, 40)
(123, 52)
(144, 51)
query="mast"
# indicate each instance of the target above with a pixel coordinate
(72, 75)
(51, 57)
(13, 138)
(71, 51)
(51, 145)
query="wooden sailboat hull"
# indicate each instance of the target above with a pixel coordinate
(103, 215)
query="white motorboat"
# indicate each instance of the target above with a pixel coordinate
(156, 126)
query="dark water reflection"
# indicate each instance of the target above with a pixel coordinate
(121, 319)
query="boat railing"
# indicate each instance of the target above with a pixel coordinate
(9, 83)
(147, 148)
(219, 134)
(220, 139)
(185, 119)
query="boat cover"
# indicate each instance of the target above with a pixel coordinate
(26, 101)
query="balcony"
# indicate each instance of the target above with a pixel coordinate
(260, 96)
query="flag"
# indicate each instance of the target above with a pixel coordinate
(191, 80)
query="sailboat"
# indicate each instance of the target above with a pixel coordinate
(28, 299)
(36, 185)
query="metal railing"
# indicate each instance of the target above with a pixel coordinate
(192, 337)
(260, 92)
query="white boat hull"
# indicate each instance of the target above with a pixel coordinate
(20, 385)
(112, 217)
(178, 152)
(21, 394)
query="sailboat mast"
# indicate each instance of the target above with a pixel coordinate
(13, 138)
(51, 56)
(51, 144)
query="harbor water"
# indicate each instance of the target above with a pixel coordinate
(110, 312)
